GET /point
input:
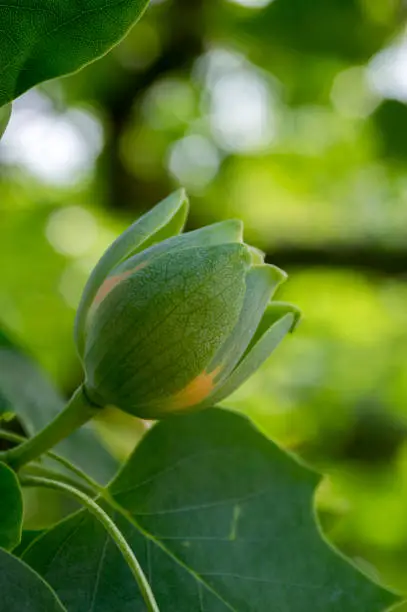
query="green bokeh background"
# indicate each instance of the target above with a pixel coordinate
(291, 115)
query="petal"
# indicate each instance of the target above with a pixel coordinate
(164, 220)
(274, 312)
(261, 283)
(278, 320)
(225, 232)
(257, 256)
(149, 343)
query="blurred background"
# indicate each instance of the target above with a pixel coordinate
(288, 114)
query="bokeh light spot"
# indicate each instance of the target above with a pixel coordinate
(169, 104)
(57, 148)
(387, 71)
(351, 94)
(194, 161)
(240, 100)
(72, 231)
(253, 4)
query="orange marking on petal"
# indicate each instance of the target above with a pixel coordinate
(107, 286)
(195, 392)
(111, 282)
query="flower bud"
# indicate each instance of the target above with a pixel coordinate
(169, 323)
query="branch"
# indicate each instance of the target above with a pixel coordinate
(367, 258)
(183, 45)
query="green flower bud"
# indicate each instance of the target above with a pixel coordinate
(171, 323)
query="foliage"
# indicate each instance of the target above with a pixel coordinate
(176, 510)
(46, 41)
(286, 113)
(206, 538)
(401, 608)
(5, 113)
(11, 512)
(29, 591)
(37, 402)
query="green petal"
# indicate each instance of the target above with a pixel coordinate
(274, 312)
(150, 341)
(164, 220)
(278, 320)
(225, 232)
(256, 255)
(261, 283)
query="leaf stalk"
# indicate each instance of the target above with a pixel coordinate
(109, 525)
(78, 411)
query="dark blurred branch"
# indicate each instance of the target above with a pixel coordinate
(369, 258)
(179, 51)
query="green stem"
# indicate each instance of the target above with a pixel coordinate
(111, 528)
(76, 413)
(35, 469)
(75, 470)
(12, 437)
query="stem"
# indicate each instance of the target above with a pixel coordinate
(75, 470)
(35, 469)
(76, 413)
(12, 437)
(111, 528)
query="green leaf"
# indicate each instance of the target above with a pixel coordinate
(164, 220)
(5, 114)
(36, 403)
(22, 590)
(219, 518)
(27, 538)
(44, 40)
(11, 508)
(399, 608)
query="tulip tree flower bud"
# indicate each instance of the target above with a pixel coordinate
(172, 323)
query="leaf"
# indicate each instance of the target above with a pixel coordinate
(5, 114)
(220, 520)
(27, 538)
(164, 220)
(399, 608)
(44, 40)
(11, 508)
(37, 402)
(22, 590)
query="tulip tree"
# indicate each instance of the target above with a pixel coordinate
(207, 514)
